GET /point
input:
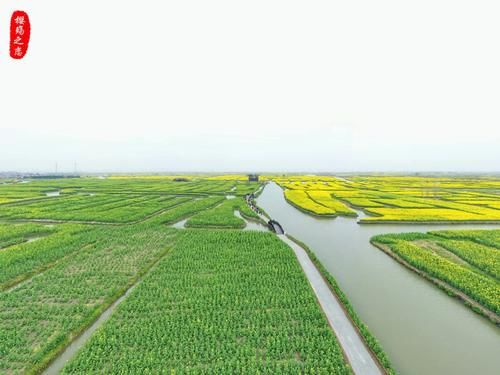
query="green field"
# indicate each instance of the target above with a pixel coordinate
(466, 260)
(220, 302)
(210, 299)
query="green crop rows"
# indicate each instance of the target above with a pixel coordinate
(22, 260)
(101, 208)
(205, 300)
(224, 302)
(15, 234)
(223, 216)
(38, 317)
(480, 256)
(459, 258)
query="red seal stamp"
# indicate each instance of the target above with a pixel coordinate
(19, 34)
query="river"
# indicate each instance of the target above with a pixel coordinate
(423, 330)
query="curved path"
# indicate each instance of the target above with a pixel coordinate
(356, 351)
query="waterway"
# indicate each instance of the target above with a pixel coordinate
(423, 330)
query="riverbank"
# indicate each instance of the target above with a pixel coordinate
(360, 357)
(372, 343)
(430, 222)
(224, 301)
(360, 347)
(413, 320)
(447, 288)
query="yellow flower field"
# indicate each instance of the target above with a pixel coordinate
(302, 200)
(397, 198)
(325, 198)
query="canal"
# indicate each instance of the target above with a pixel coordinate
(423, 330)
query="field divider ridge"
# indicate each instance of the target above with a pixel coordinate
(8, 287)
(61, 355)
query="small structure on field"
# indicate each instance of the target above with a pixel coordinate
(275, 227)
(253, 177)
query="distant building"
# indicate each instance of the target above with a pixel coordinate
(180, 179)
(253, 177)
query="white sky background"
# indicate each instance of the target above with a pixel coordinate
(149, 85)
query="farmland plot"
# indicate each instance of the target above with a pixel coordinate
(205, 299)
(26, 258)
(397, 199)
(100, 208)
(222, 216)
(458, 258)
(40, 316)
(222, 301)
(11, 234)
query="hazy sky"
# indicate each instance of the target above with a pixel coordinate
(145, 85)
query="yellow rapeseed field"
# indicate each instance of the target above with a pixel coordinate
(301, 199)
(325, 198)
(397, 198)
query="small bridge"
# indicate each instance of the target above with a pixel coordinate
(275, 227)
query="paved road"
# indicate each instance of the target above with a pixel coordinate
(355, 349)
(357, 352)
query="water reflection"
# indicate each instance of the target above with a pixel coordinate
(423, 330)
